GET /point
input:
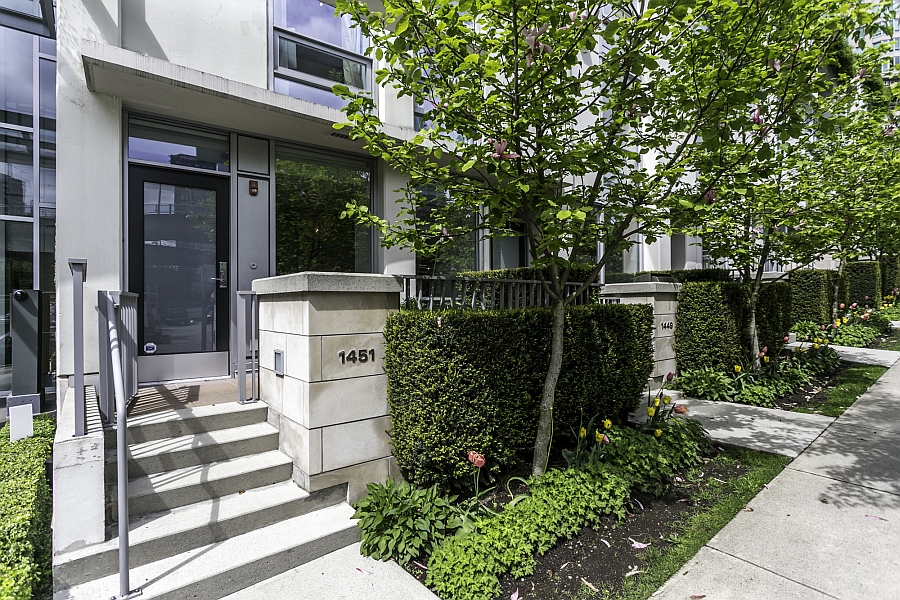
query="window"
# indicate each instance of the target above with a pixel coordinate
(314, 50)
(456, 252)
(312, 189)
(27, 171)
(171, 144)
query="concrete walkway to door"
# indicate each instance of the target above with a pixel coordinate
(185, 394)
(827, 527)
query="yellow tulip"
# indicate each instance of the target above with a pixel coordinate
(582, 432)
(656, 402)
(658, 432)
(651, 411)
(607, 424)
(737, 368)
(667, 399)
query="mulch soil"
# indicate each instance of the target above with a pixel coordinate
(813, 393)
(602, 559)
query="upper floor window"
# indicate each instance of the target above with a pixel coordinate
(315, 49)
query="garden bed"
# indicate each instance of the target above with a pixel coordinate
(701, 501)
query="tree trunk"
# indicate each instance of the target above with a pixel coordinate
(545, 419)
(754, 338)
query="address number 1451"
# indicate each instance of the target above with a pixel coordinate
(357, 355)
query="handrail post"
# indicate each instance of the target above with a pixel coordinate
(115, 355)
(241, 350)
(78, 266)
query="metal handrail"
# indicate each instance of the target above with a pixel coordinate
(248, 302)
(122, 380)
(476, 293)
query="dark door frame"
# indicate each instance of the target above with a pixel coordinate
(137, 175)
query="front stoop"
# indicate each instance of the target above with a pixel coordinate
(213, 510)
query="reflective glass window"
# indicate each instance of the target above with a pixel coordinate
(316, 20)
(177, 145)
(311, 191)
(309, 93)
(16, 77)
(48, 133)
(329, 67)
(457, 246)
(29, 7)
(16, 173)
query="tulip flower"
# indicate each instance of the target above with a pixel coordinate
(680, 409)
(667, 399)
(607, 424)
(737, 368)
(479, 461)
(651, 411)
(658, 432)
(604, 440)
(582, 432)
(670, 376)
(787, 338)
(842, 306)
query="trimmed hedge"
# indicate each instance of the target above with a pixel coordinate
(773, 315)
(686, 275)
(812, 295)
(580, 272)
(861, 279)
(25, 509)
(472, 380)
(890, 274)
(713, 320)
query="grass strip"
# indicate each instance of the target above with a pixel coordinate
(660, 565)
(848, 386)
(891, 343)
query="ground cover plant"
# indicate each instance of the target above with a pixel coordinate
(25, 509)
(777, 377)
(842, 391)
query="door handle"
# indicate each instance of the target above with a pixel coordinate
(223, 275)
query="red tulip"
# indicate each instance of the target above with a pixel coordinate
(842, 305)
(786, 338)
(479, 461)
(680, 409)
(670, 376)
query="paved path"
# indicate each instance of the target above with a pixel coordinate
(341, 575)
(827, 527)
(865, 356)
(763, 429)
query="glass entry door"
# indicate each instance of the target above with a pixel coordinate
(178, 264)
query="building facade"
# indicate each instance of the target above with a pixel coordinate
(196, 154)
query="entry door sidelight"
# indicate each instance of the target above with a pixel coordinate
(178, 263)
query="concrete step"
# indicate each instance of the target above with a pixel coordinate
(213, 571)
(158, 456)
(164, 491)
(189, 421)
(157, 536)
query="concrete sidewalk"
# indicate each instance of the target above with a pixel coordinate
(864, 356)
(341, 575)
(827, 527)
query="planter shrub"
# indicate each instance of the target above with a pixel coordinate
(713, 319)
(579, 274)
(890, 274)
(862, 279)
(710, 328)
(25, 509)
(686, 275)
(472, 380)
(812, 295)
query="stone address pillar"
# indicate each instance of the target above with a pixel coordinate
(664, 299)
(330, 403)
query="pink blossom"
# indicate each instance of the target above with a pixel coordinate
(755, 117)
(842, 306)
(605, 439)
(786, 338)
(500, 151)
(710, 196)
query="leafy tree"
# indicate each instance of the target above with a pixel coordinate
(574, 120)
(774, 191)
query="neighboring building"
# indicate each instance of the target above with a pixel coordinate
(27, 160)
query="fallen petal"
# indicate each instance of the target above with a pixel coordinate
(605, 542)
(630, 573)
(585, 582)
(698, 596)
(564, 566)
(638, 502)
(363, 571)
(420, 565)
(877, 518)
(515, 595)
(636, 544)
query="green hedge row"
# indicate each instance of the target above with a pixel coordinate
(472, 380)
(812, 295)
(686, 275)
(890, 274)
(862, 279)
(713, 320)
(580, 272)
(25, 509)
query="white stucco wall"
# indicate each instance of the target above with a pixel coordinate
(89, 172)
(394, 260)
(228, 38)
